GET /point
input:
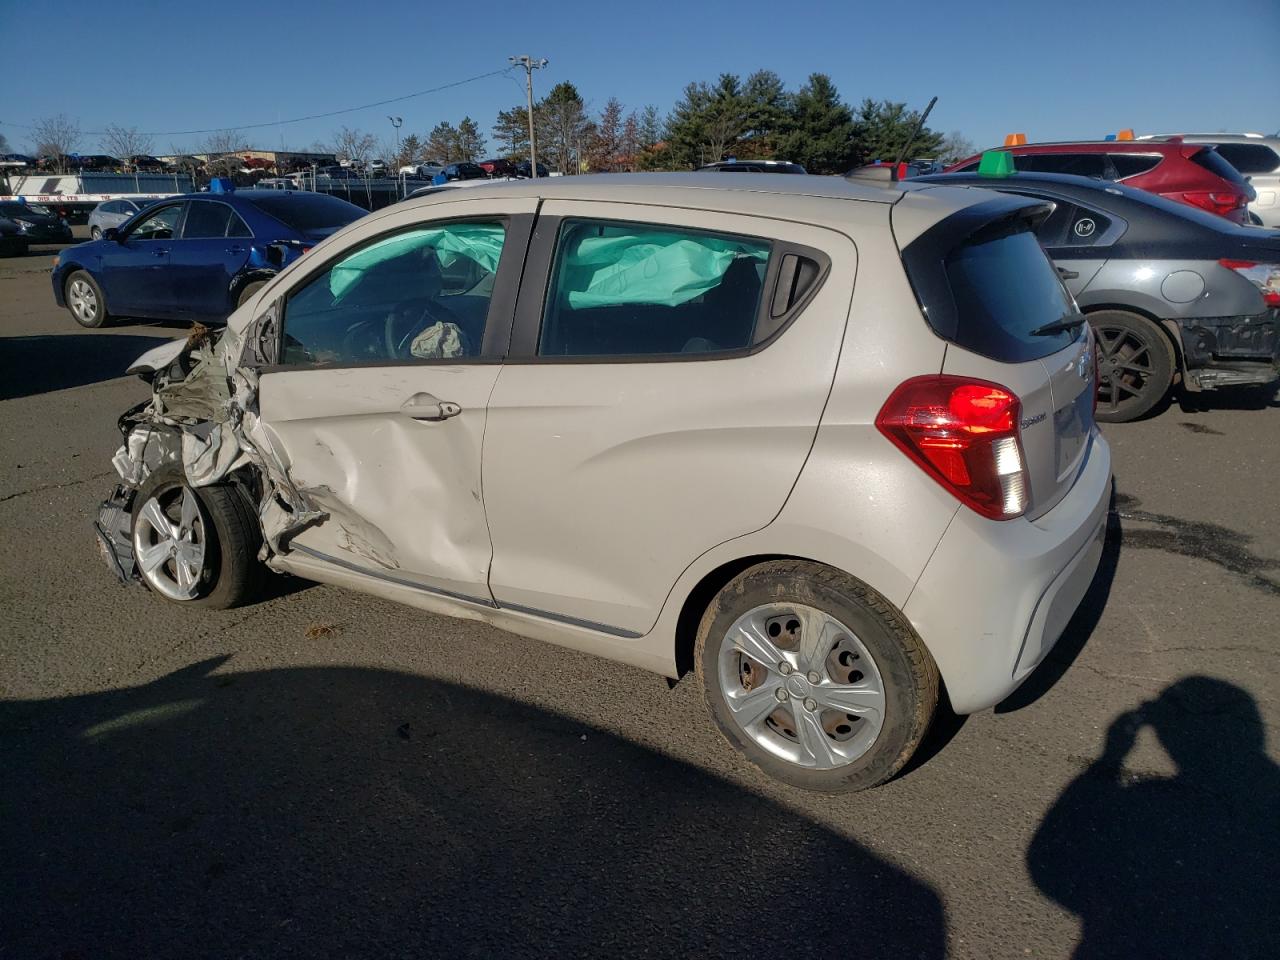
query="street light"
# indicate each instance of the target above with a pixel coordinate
(530, 65)
(396, 122)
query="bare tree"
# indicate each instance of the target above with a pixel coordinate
(125, 142)
(223, 149)
(353, 145)
(955, 147)
(56, 136)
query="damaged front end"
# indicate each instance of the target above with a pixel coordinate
(203, 416)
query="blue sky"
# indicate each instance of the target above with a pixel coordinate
(1052, 70)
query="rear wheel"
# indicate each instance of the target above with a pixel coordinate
(814, 677)
(95, 232)
(196, 547)
(85, 301)
(1135, 364)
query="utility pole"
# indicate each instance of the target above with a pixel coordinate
(530, 65)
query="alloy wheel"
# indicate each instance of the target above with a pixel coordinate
(801, 685)
(83, 300)
(1125, 366)
(169, 542)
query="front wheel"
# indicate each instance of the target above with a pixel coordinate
(196, 547)
(95, 232)
(85, 300)
(1135, 365)
(814, 677)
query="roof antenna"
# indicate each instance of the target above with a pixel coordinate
(902, 155)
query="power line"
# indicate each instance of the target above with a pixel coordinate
(281, 123)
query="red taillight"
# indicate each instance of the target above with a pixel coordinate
(1264, 276)
(964, 434)
(1215, 201)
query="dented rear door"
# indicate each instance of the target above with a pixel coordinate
(378, 405)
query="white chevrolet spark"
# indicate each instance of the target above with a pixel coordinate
(826, 443)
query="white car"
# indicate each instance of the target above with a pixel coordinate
(826, 444)
(421, 171)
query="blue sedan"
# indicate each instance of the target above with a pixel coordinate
(194, 257)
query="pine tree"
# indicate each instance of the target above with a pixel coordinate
(883, 129)
(821, 134)
(470, 144)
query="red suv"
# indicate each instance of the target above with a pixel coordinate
(1190, 172)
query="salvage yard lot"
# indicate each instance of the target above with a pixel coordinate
(328, 774)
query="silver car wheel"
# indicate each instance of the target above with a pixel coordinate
(169, 543)
(83, 301)
(801, 684)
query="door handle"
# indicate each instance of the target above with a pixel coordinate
(423, 406)
(235, 249)
(159, 253)
(1066, 274)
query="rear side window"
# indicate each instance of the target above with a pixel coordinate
(1077, 164)
(1212, 161)
(621, 289)
(1132, 164)
(1250, 158)
(1004, 287)
(205, 220)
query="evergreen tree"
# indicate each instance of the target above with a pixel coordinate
(470, 144)
(649, 127)
(821, 134)
(883, 129)
(511, 131)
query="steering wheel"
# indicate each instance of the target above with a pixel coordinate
(413, 317)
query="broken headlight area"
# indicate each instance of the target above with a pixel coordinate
(203, 416)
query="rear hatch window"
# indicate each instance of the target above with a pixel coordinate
(1212, 161)
(1005, 290)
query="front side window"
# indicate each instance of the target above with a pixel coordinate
(420, 294)
(160, 225)
(621, 289)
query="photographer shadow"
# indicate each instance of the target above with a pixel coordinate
(1172, 866)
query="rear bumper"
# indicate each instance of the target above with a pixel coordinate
(996, 595)
(1231, 351)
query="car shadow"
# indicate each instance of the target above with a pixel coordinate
(38, 364)
(1171, 866)
(336, 811)
(1229, 398)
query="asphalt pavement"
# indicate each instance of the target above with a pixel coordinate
(325, 774)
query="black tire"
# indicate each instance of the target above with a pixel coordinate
(232, 573)
(95, 233)
(249, 290)
(101, 317)
(908, 673)
(1135, 365)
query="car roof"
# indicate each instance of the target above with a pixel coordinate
(1095, 146)
(783, 196)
